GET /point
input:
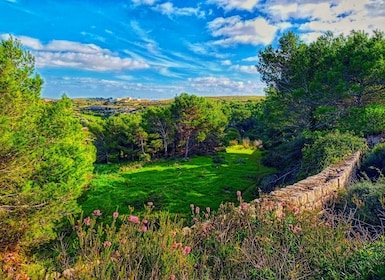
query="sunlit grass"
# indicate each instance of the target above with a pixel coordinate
(174, 185)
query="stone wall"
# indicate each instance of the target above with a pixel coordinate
(312, 192)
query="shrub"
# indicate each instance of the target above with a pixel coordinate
(326, 148)
(373, 165)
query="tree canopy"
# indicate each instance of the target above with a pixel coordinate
(45, 158)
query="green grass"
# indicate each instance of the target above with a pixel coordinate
(174, 185)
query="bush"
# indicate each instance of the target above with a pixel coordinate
(373, 164)
(326, 148)
(368, 201)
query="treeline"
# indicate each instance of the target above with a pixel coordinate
(187, 126)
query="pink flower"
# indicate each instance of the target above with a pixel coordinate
(123, 241)
(87, 221)
(208, 210)
(115, 215)
(144, 221)
(239, 193)
(186, 250)
(107, 244)
(172, 277)
(133, 219)
(192, 207)
(197, 210)
(97, 212)
(80, 234)
(144, 228)
(244, 206)
(150, 203)
(176, 245)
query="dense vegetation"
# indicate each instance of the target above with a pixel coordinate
(323, 100)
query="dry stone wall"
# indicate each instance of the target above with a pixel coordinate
(313, 192)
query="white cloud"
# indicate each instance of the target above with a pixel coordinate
(319, 16)
(229, 5)
(226, 62)
(86, 61)
(233, 30)
(144, 2)
(69, 54)
(169, 9)
(251, 59)
(250, 69)
(223, 85)
(92, 87)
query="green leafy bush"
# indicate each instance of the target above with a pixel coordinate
(373, 164)
(326, 148)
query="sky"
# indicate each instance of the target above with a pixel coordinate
(157, 49)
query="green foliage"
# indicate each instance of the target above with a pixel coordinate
(327, 148)
(45, 160)
(368, 199)
(365, 120)
(373, 164)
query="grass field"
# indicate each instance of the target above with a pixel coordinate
(174, 185)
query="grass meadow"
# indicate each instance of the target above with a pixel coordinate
(205, 181)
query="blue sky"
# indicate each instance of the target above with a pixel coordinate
(157, 49)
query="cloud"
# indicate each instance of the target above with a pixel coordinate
(69, 54)
(229, 5)
(226, 62)
(233, 30)
(222, 85)
(169, 9)
(313, 18)
(144, 2)
(250, 69)
(88, 87)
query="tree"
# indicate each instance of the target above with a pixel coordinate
(45, 158)
(195, 118)
(158, 122)
(313, 87)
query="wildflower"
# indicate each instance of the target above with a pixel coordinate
(239, 195)
(123, 241)
(197, 210)
(206, 216)
(297, 229)
(144, 221)
(192, 206)
(80, 234)
(176, 245)
(150, 204)
(244, 206)
(97, 212)
(144, 228)
(133, 219)
(173, 234)
(186, 250)
(107, 244)
(87, 221)
(186, 231)
(208, 210)
(172, 277)
(115, 215)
